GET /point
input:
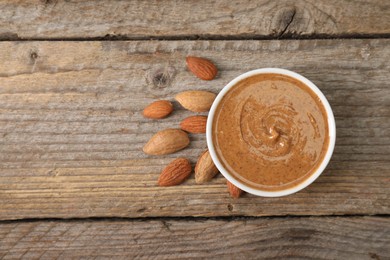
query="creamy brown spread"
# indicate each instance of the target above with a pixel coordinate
(270, 132)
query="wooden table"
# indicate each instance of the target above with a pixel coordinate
(75, 76)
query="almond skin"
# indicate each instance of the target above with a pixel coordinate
(233, 190)
(175, 172)
(205, 169)
(201, 67)
(166, 141)
(158, 109)
(196, 100)
(194, 124)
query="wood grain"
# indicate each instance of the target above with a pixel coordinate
(60, 19)
(314, 238)
(71, 129)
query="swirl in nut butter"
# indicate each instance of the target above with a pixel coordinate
(270, 131)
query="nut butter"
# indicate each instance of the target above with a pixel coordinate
(270, 132)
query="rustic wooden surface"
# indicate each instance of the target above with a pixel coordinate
(71, 130)
(59, 19)
(281, 238)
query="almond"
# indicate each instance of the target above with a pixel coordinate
(196, 100)
(158, 109)
(201, 67)
(175, 172)
(167, 141)
(194, 124)
(205, 169)
(233, 190)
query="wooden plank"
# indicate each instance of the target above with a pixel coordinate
(62, 19)
(71, 129)
(314, 238)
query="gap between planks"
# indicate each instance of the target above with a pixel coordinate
(114, 38)
(189, 218)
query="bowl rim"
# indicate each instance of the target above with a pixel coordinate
(331, 127)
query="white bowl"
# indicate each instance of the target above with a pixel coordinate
(331, 127)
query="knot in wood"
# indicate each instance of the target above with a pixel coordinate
(162, 77)
(33, 58)
(283, 19)
(33, 55)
